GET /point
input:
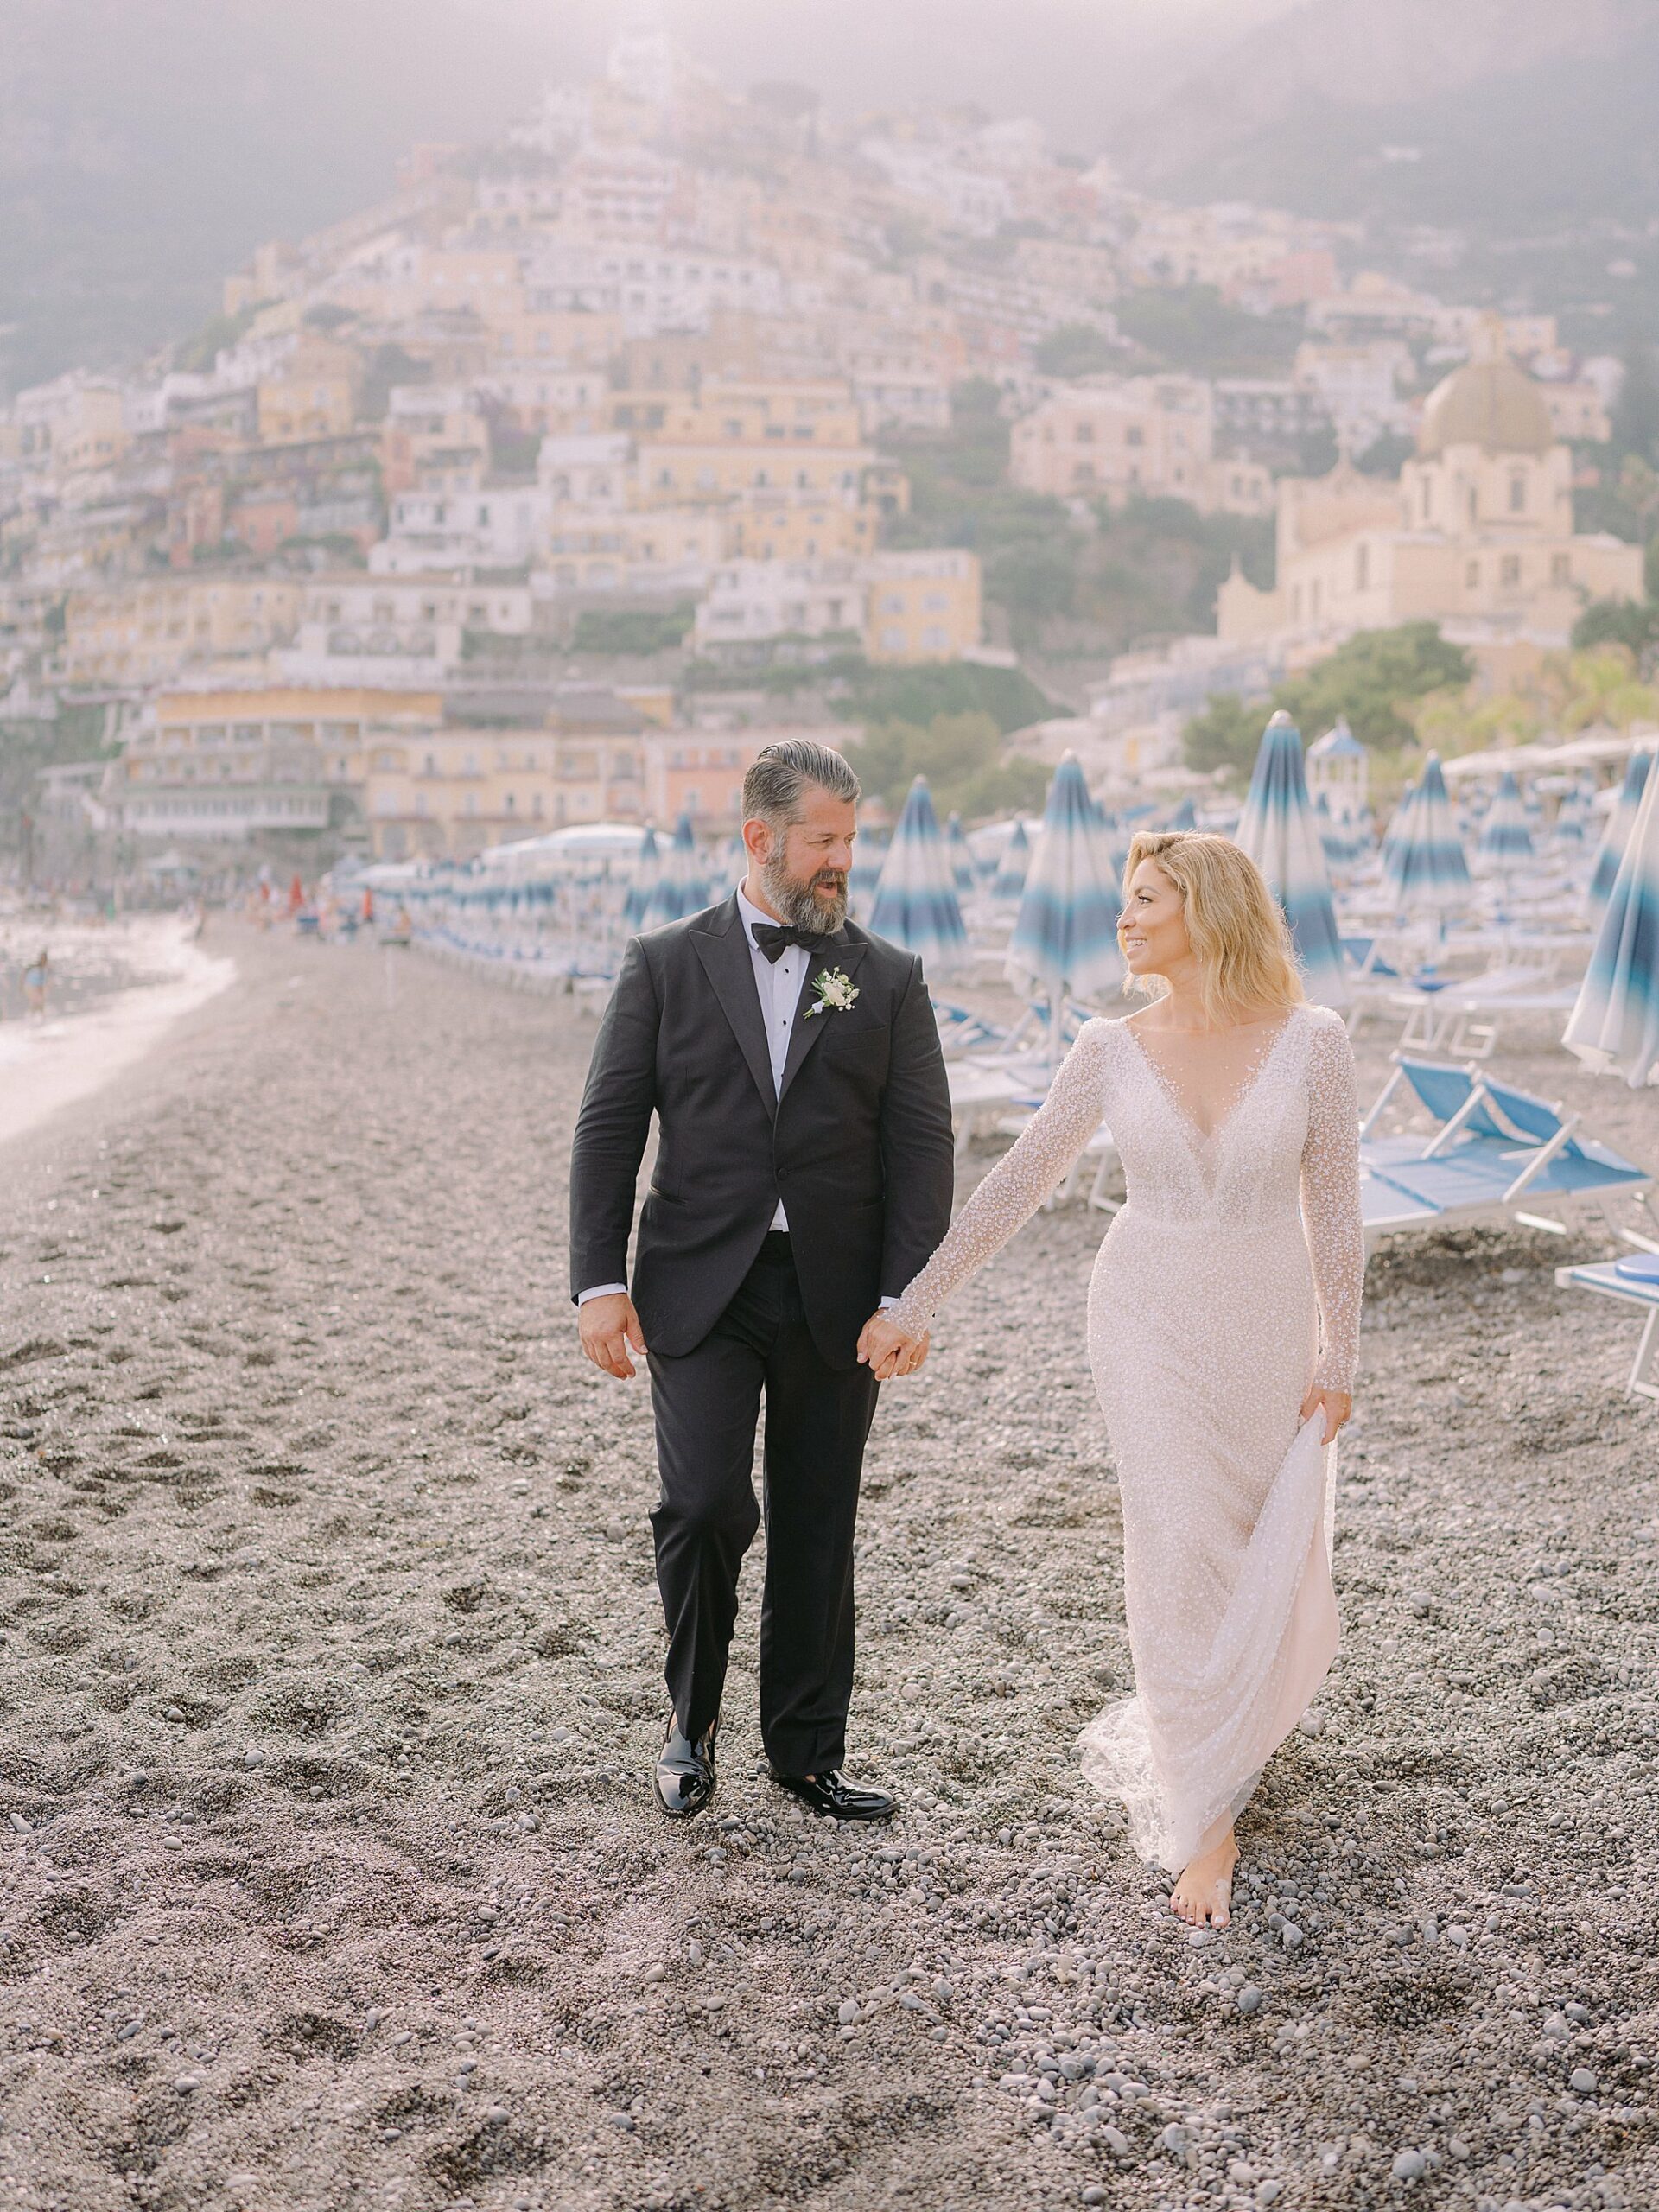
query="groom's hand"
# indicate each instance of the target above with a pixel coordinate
(886, 1350)
(610, 1329)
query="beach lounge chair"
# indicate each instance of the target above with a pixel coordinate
(1495, 1151)
(1635, 1284)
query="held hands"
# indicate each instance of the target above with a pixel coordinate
(1336, 1406)
(610, 1329)
(886, 1350)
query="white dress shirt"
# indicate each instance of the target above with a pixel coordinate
(779, 984)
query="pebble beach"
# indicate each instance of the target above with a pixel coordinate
(330, 1683)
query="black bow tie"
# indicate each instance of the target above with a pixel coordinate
(772, 937)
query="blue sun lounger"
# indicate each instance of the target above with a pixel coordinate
(1493, 1148)
(1636, 1286)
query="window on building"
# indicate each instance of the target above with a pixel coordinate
(1134, 436)
(1471, 573)
(1518, 491)
(1362, 567)
(892, 640)
(1084, 433)
(1509, 568)
(1560, 567)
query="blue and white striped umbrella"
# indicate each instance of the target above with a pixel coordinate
(1426, 862)
(1394, 836)
(1504, 845)
(1184, 817)
(1064, 935)
(915, 902)
(1614, 1028)
(1279, 831)
(962, 861)
(868, 853)
(1617, 833)
(647, 867)
(1573, 819)
(682, 888)
(1015, 865)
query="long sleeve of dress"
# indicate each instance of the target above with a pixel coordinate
(1046, 1150)
(1330, 1204)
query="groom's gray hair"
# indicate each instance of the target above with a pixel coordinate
(779, 775)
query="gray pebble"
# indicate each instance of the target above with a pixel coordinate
(1582, 2082)
(1249, 1999)
(1409, 2165)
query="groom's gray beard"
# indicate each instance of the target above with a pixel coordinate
(799, 904)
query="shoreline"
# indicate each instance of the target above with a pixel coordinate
(46, 1066)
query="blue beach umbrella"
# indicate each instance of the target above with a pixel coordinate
(647, 867)
(1279, 831)
(962, 861)
(1015, 865)
(868, 853)
(1065, 937)
(1184, 817)
(681, 888)
(1617, 833)
(1425, 862)
(915, 902)
(1504, 845)
(1614, 1028)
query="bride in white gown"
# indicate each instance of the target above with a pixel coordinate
(1223, 1327)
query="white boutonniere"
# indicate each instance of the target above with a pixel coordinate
(836, 994)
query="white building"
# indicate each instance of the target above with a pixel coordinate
(653, 288)
(501, 526)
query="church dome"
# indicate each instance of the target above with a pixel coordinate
(1492, 405)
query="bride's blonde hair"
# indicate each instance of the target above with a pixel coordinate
(1236, 927)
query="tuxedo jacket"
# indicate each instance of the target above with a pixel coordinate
(856, 1141)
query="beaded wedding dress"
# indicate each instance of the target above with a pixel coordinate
(1227, 1287)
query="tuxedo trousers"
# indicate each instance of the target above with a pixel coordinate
(708, 1405)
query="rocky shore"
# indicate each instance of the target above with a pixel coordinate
(329, 1679)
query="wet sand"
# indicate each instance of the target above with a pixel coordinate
(330, 1680)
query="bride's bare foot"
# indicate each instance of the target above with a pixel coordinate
(1204, 1892)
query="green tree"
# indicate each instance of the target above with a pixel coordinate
(1630, 622)
(959, 755)
(1076, 349)
(1225, 735)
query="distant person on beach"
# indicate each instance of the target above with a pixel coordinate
(36, 980)
(1223, 1328)
(805, 1169)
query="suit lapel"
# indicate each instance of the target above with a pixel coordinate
(729, 965)
(845, 955)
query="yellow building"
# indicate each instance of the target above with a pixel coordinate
(315, 396)
(65, 427)
(922, 607)
(770, 526)
(231, 763)
(448, 793)
(801, 441)
(148, 631)
(1121, 438)
(1477, 531)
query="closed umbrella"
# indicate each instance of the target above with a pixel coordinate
(647, 867)
(1614, 1028)
(1015, 865)
(1065, 937)
(1426, 863)
(915, 903)
(1617, 833)
(682, 888)
(869, 852)
(962, 861)
(1184, 816)
(1280, 832)
(1504, 845)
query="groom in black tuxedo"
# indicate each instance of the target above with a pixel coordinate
(804, 1174)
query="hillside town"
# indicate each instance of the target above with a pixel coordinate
(545, 491)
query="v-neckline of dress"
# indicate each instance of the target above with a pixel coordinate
(1202, 1143)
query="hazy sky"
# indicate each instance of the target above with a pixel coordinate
(1073, 62)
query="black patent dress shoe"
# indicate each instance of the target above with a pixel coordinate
(684, 1779)
(836, 1798)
